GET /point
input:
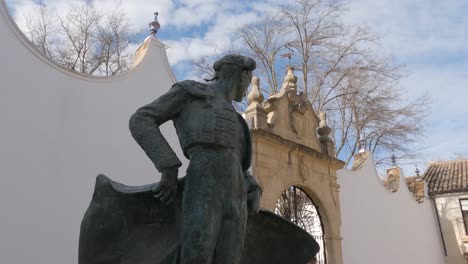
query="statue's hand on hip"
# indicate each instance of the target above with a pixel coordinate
(253, 201)
(167, 188)
(254, 194)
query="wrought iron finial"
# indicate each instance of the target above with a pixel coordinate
(288, 55)
(417, 171)
(393, 160)
(154, 25)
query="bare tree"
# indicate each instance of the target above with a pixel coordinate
(40, 29)
(114, 37)
(83, 39)
(343, 72)
(77, 50)
(315, 28)
(265, 41)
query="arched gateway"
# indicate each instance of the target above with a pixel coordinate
(293, 159)
(295, 205)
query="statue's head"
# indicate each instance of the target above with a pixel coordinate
(237, 69)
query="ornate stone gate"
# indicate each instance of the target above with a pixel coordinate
(292, 149)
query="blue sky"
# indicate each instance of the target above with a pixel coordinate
(429, 37)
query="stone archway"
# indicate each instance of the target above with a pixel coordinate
(297, 206)
(291, 147)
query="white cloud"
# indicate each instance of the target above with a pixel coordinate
(188, 49)
(218, 36)
(430, 38)
(140, 12)
(414, 28)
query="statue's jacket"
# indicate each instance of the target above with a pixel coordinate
(199, 118)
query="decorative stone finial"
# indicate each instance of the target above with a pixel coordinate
(290, 80)
(154, 25)
(255, 97)
(255, 114)
(324, 131)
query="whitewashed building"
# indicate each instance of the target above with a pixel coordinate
(448, 186)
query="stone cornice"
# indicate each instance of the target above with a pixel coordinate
(338, 164)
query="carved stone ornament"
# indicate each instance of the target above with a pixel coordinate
(298, 105)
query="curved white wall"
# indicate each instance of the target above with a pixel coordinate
(58, 131)
(383, 227)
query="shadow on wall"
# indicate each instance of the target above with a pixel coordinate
(450, 228)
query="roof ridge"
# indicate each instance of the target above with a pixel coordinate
(446, 161)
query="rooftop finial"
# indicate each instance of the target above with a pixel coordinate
(323, 130)
(154, 25)
(393, 160)
(255, 97)
(290, 80)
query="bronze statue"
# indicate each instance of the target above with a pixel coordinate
(216, 140)
(209, 216)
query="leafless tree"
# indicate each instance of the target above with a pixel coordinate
(344, 71)
(83, 39)
(40, 29)
(114, 37)
(265, 41)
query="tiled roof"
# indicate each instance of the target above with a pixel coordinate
(447, 177)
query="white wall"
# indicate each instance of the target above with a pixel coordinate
(383, 227)
(453, 229)
(60, 129)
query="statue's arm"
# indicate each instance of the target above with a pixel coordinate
(254, 193)
(144, 126)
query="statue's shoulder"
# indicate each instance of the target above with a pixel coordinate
(195, 88)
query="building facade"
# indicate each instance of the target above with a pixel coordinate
(448, 187)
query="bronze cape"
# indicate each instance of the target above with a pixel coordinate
(127, 225)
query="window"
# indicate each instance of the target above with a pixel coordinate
(464, 210)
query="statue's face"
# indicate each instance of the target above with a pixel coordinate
(241, 92)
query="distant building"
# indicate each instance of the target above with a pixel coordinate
(448, 186)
